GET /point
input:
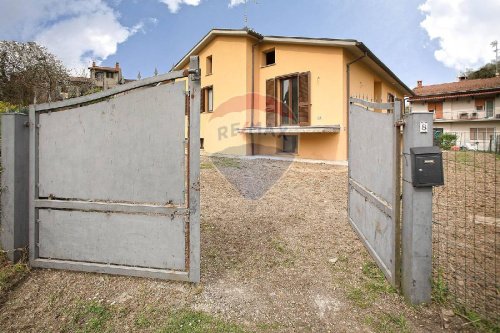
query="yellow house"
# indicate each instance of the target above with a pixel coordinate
(284, 96)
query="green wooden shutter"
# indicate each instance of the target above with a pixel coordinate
(305, 99)
(271, 103)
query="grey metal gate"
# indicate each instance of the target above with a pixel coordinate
(374, 181)
(112, 187)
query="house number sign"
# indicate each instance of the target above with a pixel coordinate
(424, 127)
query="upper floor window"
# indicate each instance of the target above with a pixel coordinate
(288, 100)
(209, 65)
(269, 57)
(437, 108)
(109, 75)
(490, 108)
(487, 105)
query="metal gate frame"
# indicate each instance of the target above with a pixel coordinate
(391, 207)
(190, 209)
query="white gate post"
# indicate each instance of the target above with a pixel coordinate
(416, 278)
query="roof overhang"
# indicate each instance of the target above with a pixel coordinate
(435, 97)
(211, 36)
(290, 129)
(353, 46)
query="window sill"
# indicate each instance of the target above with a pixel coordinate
(208, 74)
(286, 154)
(271, 65)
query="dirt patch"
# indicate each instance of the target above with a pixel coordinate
(287, 262)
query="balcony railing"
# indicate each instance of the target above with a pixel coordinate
(469, 115)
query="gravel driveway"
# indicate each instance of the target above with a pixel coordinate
(278, 255)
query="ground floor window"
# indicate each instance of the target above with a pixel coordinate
(481, 133)
(289, 144)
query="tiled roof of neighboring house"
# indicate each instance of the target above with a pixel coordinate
(106, 69)
(79, 79)
(462, 88)
(356, 48)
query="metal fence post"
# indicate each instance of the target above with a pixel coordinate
(416, 278)
(14, 190)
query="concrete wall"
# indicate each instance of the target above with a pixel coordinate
(14, 195)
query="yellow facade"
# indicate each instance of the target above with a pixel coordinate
(231, 58)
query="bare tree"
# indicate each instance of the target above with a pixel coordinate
(28, 70)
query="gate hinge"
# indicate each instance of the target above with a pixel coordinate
(196, 73)
(399, 123)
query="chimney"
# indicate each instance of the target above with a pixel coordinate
(117, 65)
(93, 63)
(419, 83)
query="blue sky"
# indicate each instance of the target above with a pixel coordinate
(431, 40)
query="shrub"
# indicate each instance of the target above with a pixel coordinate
(447, 140)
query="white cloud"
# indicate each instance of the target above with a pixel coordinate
(234, 3)
(75, 31)
(174, 5)
(464, 30)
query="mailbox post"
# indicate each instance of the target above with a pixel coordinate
(422, 169)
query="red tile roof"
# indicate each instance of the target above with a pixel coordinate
(458, 89)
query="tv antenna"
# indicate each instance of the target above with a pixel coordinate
(494, 44)
(245, 13)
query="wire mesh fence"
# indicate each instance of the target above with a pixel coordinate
(466, 229)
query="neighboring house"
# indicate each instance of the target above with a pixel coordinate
(284, 96)
(469, 108)
(77, 86)
(106, 77)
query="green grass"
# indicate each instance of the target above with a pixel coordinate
(285, 257)
(388, 322)
(373, 285)
(440, 290)
(477, 321)
(440, 295)
(471, 158)
(226, 162)
(376, 281)
(9, 272)
(189, 321)
(360, 297)
(142, 321)
(206, 166)
(88, 317)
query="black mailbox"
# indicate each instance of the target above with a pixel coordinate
(427, 166)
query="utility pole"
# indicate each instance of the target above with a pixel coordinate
(494, 44)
